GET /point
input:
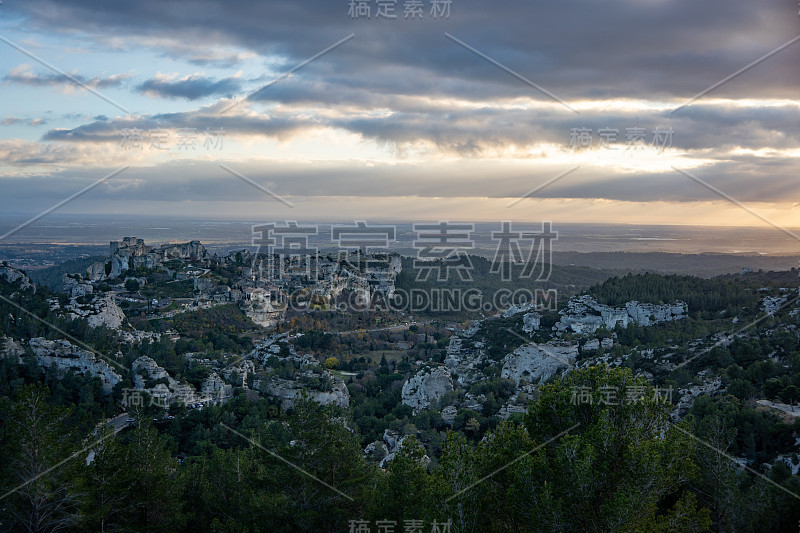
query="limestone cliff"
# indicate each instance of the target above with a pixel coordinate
(13, 275)
(101, 311)
(537, 363)
(427, 386)
(67, 356)
(583, 314)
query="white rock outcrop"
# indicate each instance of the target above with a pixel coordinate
(215, 388)
(376, 451)
(394, 444)
(102, 311)
(258, 306)
(96, 271)
(150, 369)
(592, 345)
(308, 371)
(649, 314)
(511, 409)
(710, 386)
(584, 314)
(536, 363)
(287, 391)
(76, 287)
(11, 349)
(449, 414)
(427, 386)
(465, 362)
(531, 322)
(135, 335)
(771, 304)
(145, 368)
(67, 356)
(13, 275)
(516, 309)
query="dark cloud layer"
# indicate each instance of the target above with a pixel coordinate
(575, 48)
(710, 129)
(191, 87)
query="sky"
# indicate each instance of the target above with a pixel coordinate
(622, 111)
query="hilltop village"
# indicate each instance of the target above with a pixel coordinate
(263, 286)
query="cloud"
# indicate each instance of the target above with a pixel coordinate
(448, 122)
(257, 125)
(199, 178)
(448, 127)
(198, 51)
(21, 157)
(577, 49)
(191, 87)
(12, 121)
(25, 76)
